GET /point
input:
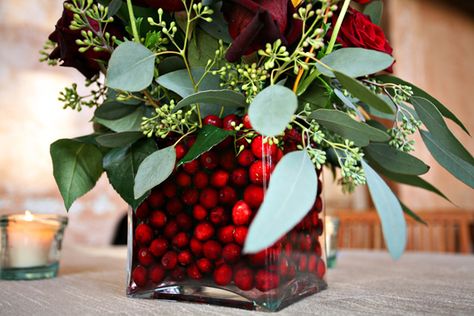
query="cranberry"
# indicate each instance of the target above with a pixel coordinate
(158, 219)
(239, 177)
(226, 234)
(201, 180)
(284, 267)
(183, 179)
(302, 263)
(196, 247)
(140, 276)
(209, 198)
(227, 195)
(190, 196)
(320, 187)
(290, 146)
(180, 151)
(245, 158)
(169, 189)
(293, 135)
(171, 229)
(246, 122)
(209, 160)
(318, 205)
(231, 253)
(306, 242)
(218, 216)
(240, 233)
(259, 259)
(219, 178)
(203, 231)
(253, 196)
(178, 274)
(266, 280)
(174, 206)
(262, 148)
(143, 234)
(230, 122)
(241, 213)
(199, 212)
(157, 273)
(319, 227)
(158, 247)
(145, 257)
(193, 272)
(204, 265)
(184, 221)
(321, 269)
(142, 211)
(212, 120)
(318, 250)
(156, 199)
(191, 167)
(169, 260)
(185, 257)
(227, 159)
(279, 154)
(223, 275)
(259, 172)
(212, 250)
(180, 240)
(312, 263)
(243, 278)
(190, 140)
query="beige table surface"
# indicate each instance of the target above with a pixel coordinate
(92, 282)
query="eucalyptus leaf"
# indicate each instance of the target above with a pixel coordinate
(290, 195)
(202, 48)
(355, 62)
(131, 67)
(272, 110)
(170, 64)
(180, 82)
(359, 91)
(375, 11)
(129, 123)
(390, 212)
(348, 103)
(307, 81)
(219, 98)
(218, 28)
(113, 140)
(458, 167)
(153, 170)
(113, 110)
(113, 7)
(342, 124)
(208, 137)
(412, 214)
(76, 167)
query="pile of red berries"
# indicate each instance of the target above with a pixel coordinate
(193, 226)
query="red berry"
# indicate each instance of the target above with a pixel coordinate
(142, 211)
(140, 276)
(204, 231)
(227, 159)
(158, 247)
(227, 195)
(320, 227)
(157, 273)
(279, 154)
(196, 247)
(245, 158)
(180, 151)
(320, 187)
(293, 135)
(223, 275)
(184, 221)
(183, 179)
(143, 234)
(253, 196)
(230, 122)
(191, 167)
(266, 280)
(212, 250)
(190, 196)
(169, 189)
(226, 234)
(306, 242)
(290, 146)
(318, 250)
(145, 257)
(246, 122)
(204, 265)
(318, 205)
(209, 198)
(193, 272)
(312, 263)
(171, 229)
(174, 206)
(200, 180)
(189, 141)
(240, 233)
(212, 120)
(239, 177)
(158, 219)
(156, 199)
(259, 259)
(321, 269)
(262, 148)
(178, 274)
(284, 267)
(259, 172)
(218, 216)
(219, 178)
(209, 160)
(241, 213)
(185, 257)
(231, 253)
(169, 260)
(180, 240)
(199, 212)
(243, 278)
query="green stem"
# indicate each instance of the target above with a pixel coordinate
(338, 25)
(132, 21)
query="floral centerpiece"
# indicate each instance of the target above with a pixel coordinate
(213, 120)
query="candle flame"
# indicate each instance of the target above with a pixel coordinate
(28, 216)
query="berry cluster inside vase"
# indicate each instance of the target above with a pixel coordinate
(188, 235)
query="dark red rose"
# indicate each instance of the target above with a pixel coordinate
(253, 23)
(68, 51)
(167, 5)
(362, 1)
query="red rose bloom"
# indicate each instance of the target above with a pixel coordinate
(362, 1)
(167, 5)
(253, 23)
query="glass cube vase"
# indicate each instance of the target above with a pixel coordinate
(185, 240)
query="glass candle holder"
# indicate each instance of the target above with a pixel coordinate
(332, 227)
(30, 245)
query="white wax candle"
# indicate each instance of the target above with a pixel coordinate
(29, 240)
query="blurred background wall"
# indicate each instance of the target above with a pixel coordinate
(433, 43)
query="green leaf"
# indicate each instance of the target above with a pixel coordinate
(202, 48)
(374, 112)
(431, 117)
(348, 103)
(121, 166)
(420, 93)
(458, 167)
(154, 169)
(272, 110)
(305, 84)
(390, 212)
(218, 28)
(394, 160)
(412, 214)
(316, 95)
(113, 7)
(355, 62)
(179, 81)
(218, 98)
(342, 124)
(208, 137)
(113, 140)
(375, 11)
(113, 110)
(170, 64)
(290, 195)
(129, 123)
(76, 167)
(359, 91)
(131, 67)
